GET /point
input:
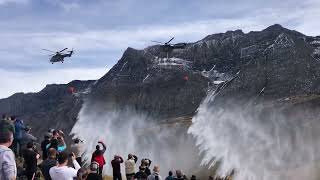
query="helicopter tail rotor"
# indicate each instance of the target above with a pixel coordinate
(71, 52)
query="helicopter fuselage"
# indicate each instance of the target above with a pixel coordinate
(171, 47)
(59, 57)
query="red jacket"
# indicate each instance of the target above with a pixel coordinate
(98, 157)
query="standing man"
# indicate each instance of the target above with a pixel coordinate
(141, 175)
(26, 138)
(12, 121)
(19, 127)
(77, 149)
(8, 168)
(170, 177)
(155, 175)
(30, 160)
(180, 176)
(94, 172)
(97, 156)
(116, 167)
(57, 141)
(49, 163)
(62, 171)
(44, 143)
(130, 166)
(147, 163)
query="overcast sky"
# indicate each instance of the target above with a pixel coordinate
(100, 30)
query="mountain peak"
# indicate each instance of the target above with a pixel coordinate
(275, 27)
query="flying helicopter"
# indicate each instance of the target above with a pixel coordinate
(59, 55)
(167, 47)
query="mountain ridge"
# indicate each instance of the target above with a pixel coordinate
(169, 88)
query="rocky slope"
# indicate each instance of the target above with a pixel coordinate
(276, 62)
(56, 106)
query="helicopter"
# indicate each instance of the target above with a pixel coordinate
(168, 48)
(59, 55)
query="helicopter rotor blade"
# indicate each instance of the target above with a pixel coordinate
(63, 49)
(157, 42)
(48, 50)
(169, 40)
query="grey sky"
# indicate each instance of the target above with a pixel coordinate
(101, 30)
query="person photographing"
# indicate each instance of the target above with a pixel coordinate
(57, 141)
(77, 149)
(130, 166)
(116, 167)
(62, 171)
(97, 155)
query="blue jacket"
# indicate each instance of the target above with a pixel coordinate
(19, 127)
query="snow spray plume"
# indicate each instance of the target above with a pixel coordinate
(259, 142)
(125, 131)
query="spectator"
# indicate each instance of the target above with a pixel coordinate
(8, 168)
(147, 163)
(180, 176)
(155, 175)
(94, 172)
(116, 167)
(4, 117)
(44, 143)
(19, 128)
(30, 160)
(49, 163)
(82, 174)
(170, 177)
(130, 166)
(141, 175)
(97, 156)
(62, 171)
(193, 177)
(26, 138)
(7, 125)
(12, 120)
(57, 141)
(77, 147)
(54, 140)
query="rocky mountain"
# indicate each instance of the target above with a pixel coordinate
(55, 106)
(275, 63)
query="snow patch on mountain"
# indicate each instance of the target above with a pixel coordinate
(216, 76)
(316, 54)
(124, 65)
(172, 61)
(316, 42)
(283, 40)
(146, 77)
(249, 51)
